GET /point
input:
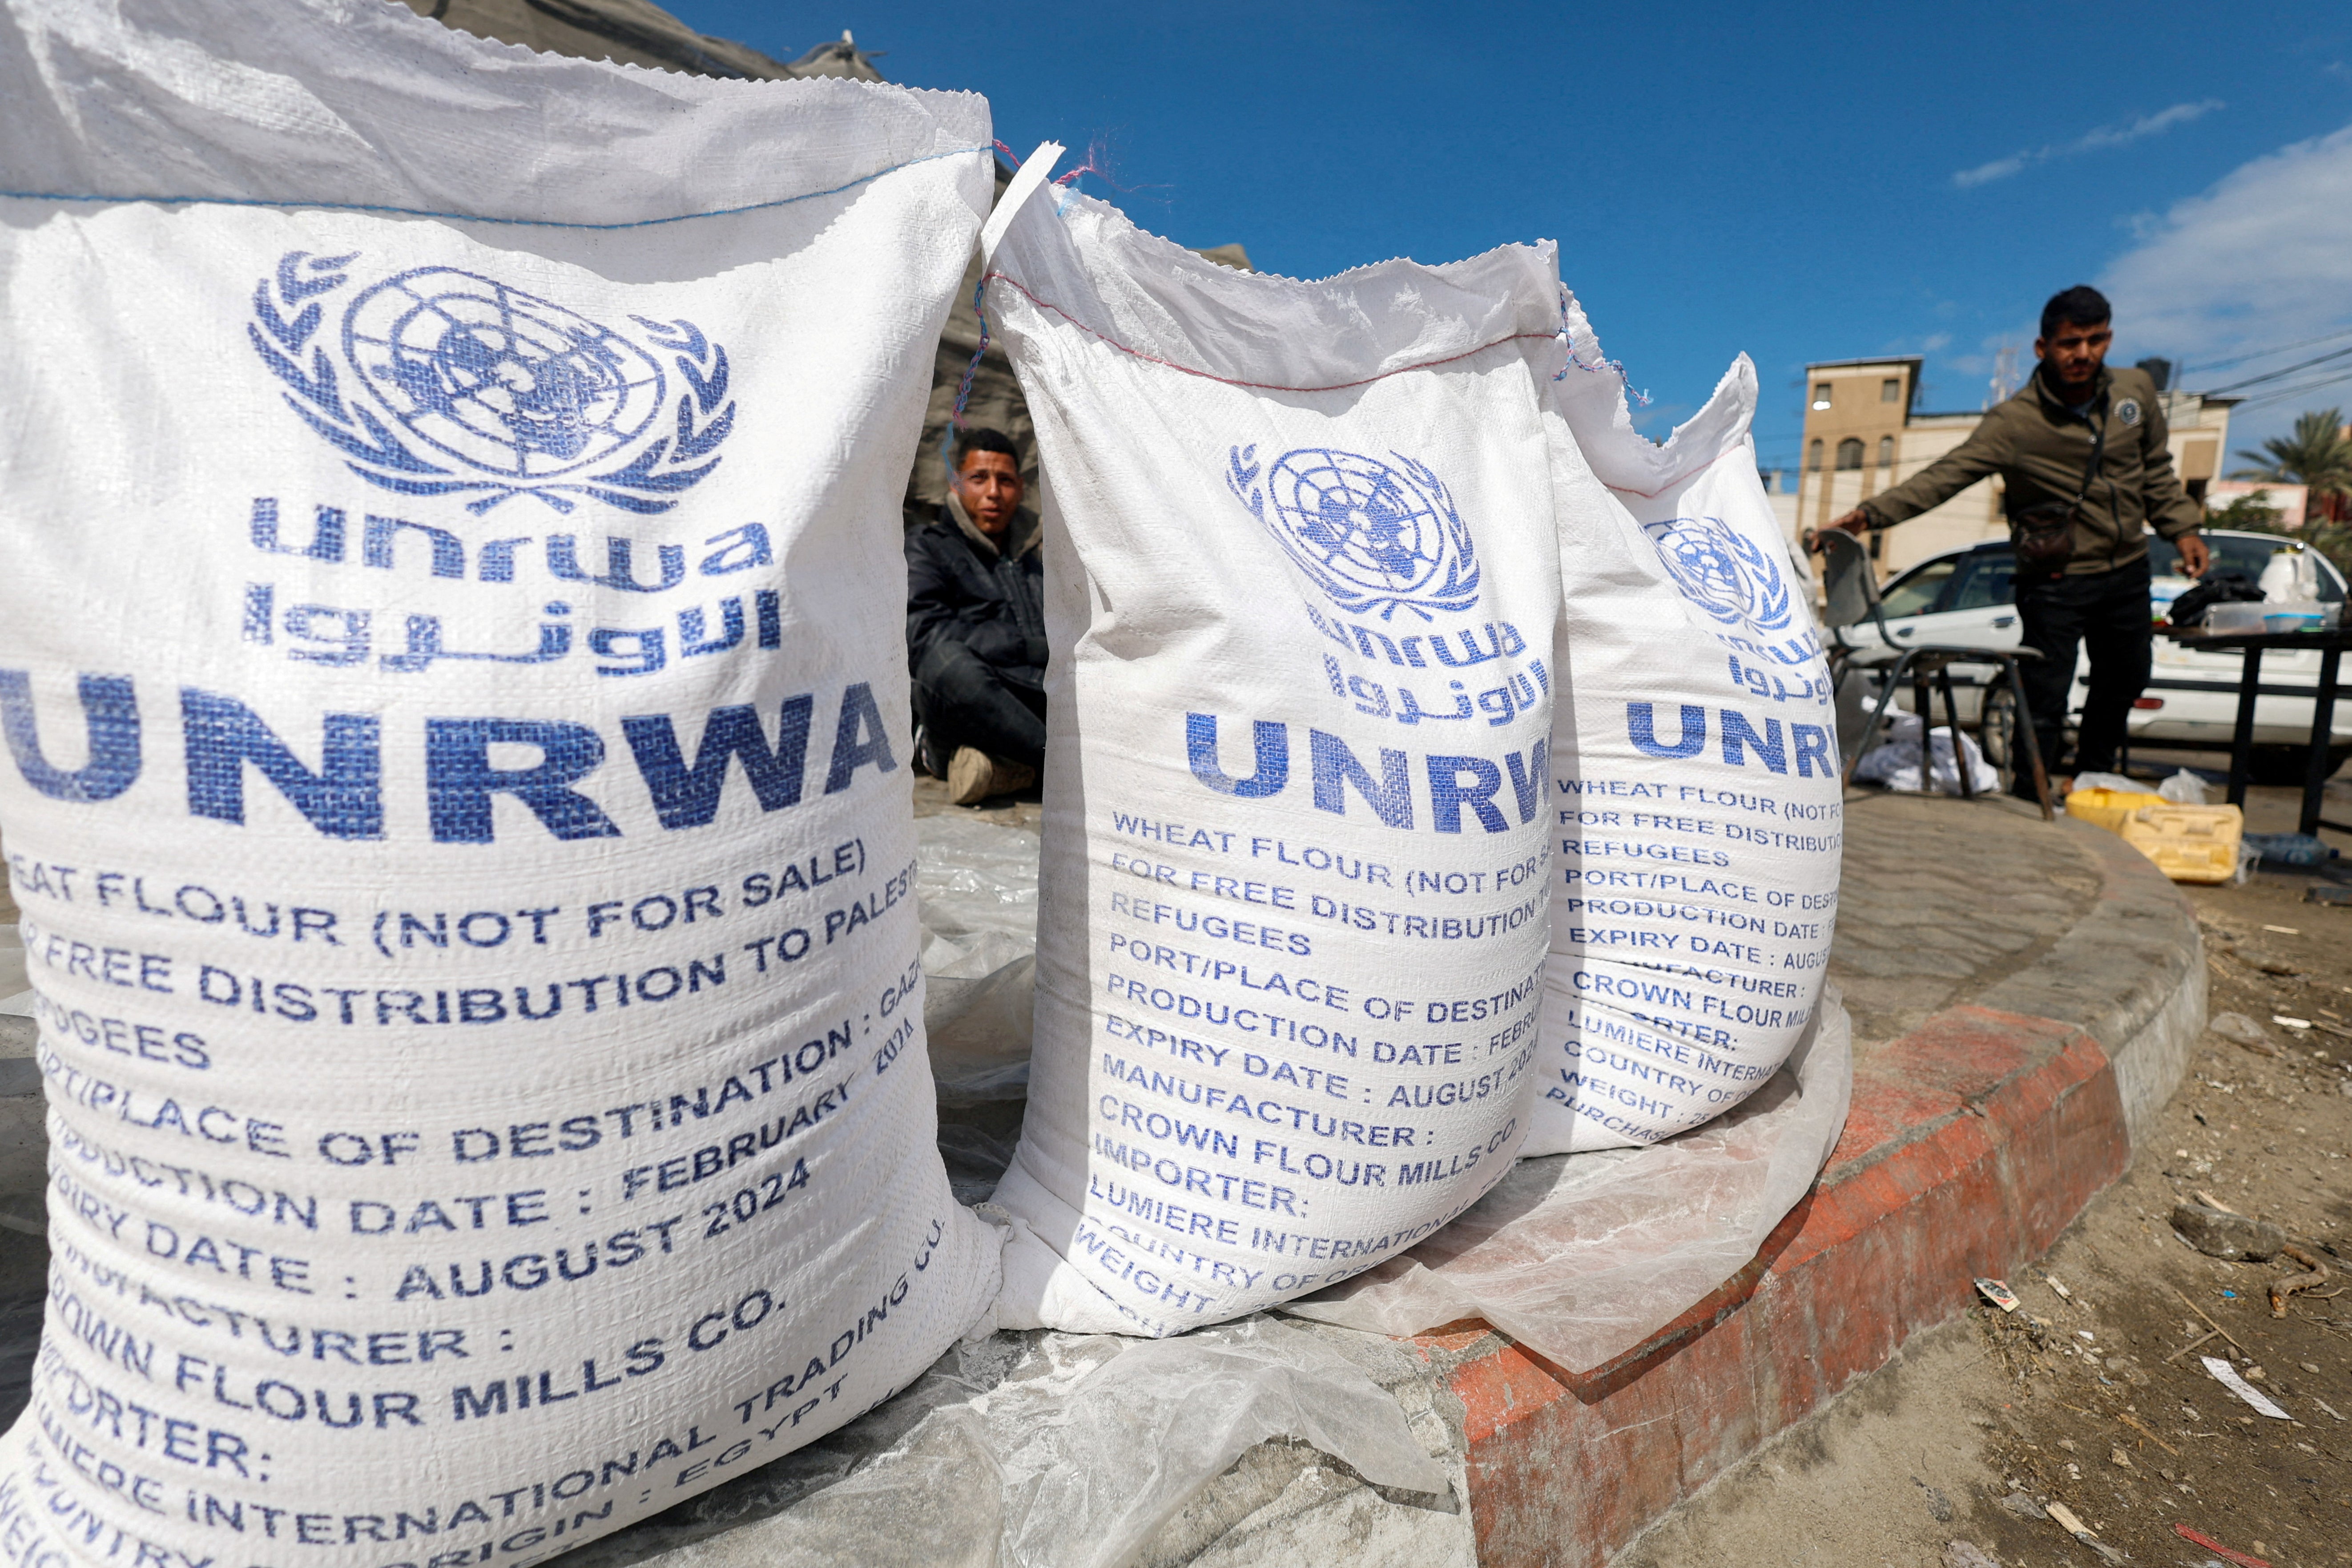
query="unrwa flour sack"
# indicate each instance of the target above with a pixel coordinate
(1696, 795)
(457, 788)
(1294, 902)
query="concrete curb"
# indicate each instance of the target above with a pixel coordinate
(1973, 1141)
(2131, 974)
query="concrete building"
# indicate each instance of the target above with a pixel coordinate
(1864, 435)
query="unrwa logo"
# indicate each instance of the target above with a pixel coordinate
(450, 383)
(1723, 572)
(1373, 536)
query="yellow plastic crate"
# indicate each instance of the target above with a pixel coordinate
(2188, 843)
(2109, 808)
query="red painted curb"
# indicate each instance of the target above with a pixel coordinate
(1972, 1142)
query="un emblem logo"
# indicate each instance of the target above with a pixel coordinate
(450, 383)
(1373, 536)
(1723, 572)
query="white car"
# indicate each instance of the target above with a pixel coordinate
(1965, 597)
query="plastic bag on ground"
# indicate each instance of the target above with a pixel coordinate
(1582, 1257)
(1895, 761)
(2115, 781)
(2183, 788)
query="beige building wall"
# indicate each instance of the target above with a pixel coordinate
(1862, 436)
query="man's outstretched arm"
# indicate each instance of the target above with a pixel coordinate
(1984, 452)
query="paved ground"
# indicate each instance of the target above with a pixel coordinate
(1943, 899)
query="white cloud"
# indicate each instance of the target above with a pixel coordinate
(1999, 169)
(2105, 136)
(1929, 344)
(2263, 258)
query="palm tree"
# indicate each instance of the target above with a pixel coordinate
(2316, 455)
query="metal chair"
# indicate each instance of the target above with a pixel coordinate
(1852, 614)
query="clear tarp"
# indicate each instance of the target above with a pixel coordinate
(1582, 1257)
(976, 884)
(1051, 1450)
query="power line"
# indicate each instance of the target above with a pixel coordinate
(2283, 394)
(2264, 353)
(2275, 375)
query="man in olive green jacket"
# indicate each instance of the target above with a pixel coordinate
(2077, 428)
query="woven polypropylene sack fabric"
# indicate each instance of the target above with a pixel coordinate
(457, 788)
(1293, 909)
(1695, 787)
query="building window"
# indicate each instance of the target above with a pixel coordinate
(1813, 458)
(1890, 390)
(1886, 451)
(1821, 395)
(1849, 454)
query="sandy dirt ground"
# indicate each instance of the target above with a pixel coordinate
(2096, 1397)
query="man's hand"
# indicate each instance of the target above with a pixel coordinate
(1854, 522)
(2194, 557)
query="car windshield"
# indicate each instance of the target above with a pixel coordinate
(2243, 553)
(1914, 593)
(1988, 579)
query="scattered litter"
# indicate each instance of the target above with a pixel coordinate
(2114, 782)
(2183, 788)
(1896, 761)
(2329, 1408)
(1999, 1294)
(2022, 1506)
(2284, 1022)
(2338, 898)
(2244, 1031)
(2063, 1517)
(2286, 1287)
(2118, 1458)
(2085, 1334)
(2218, 1232)
(1938, 1506)
(2210, 1544)
(2209, 1323)
(2226, 1377)
(1962, 1554)
(2284, 930)
(2134, 1423)
(2209, 1333)
(2063, 1294)
(2294, 850)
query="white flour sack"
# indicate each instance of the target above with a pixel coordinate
(1696, 800)
(457, 785)
(1294, 884)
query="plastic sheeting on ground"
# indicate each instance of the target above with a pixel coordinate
(1896, 763)
(1582, 1257)
(1047, 1450)
(976, 886)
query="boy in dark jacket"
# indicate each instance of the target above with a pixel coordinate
(976, 627)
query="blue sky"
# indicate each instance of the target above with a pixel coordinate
(1820, 182)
